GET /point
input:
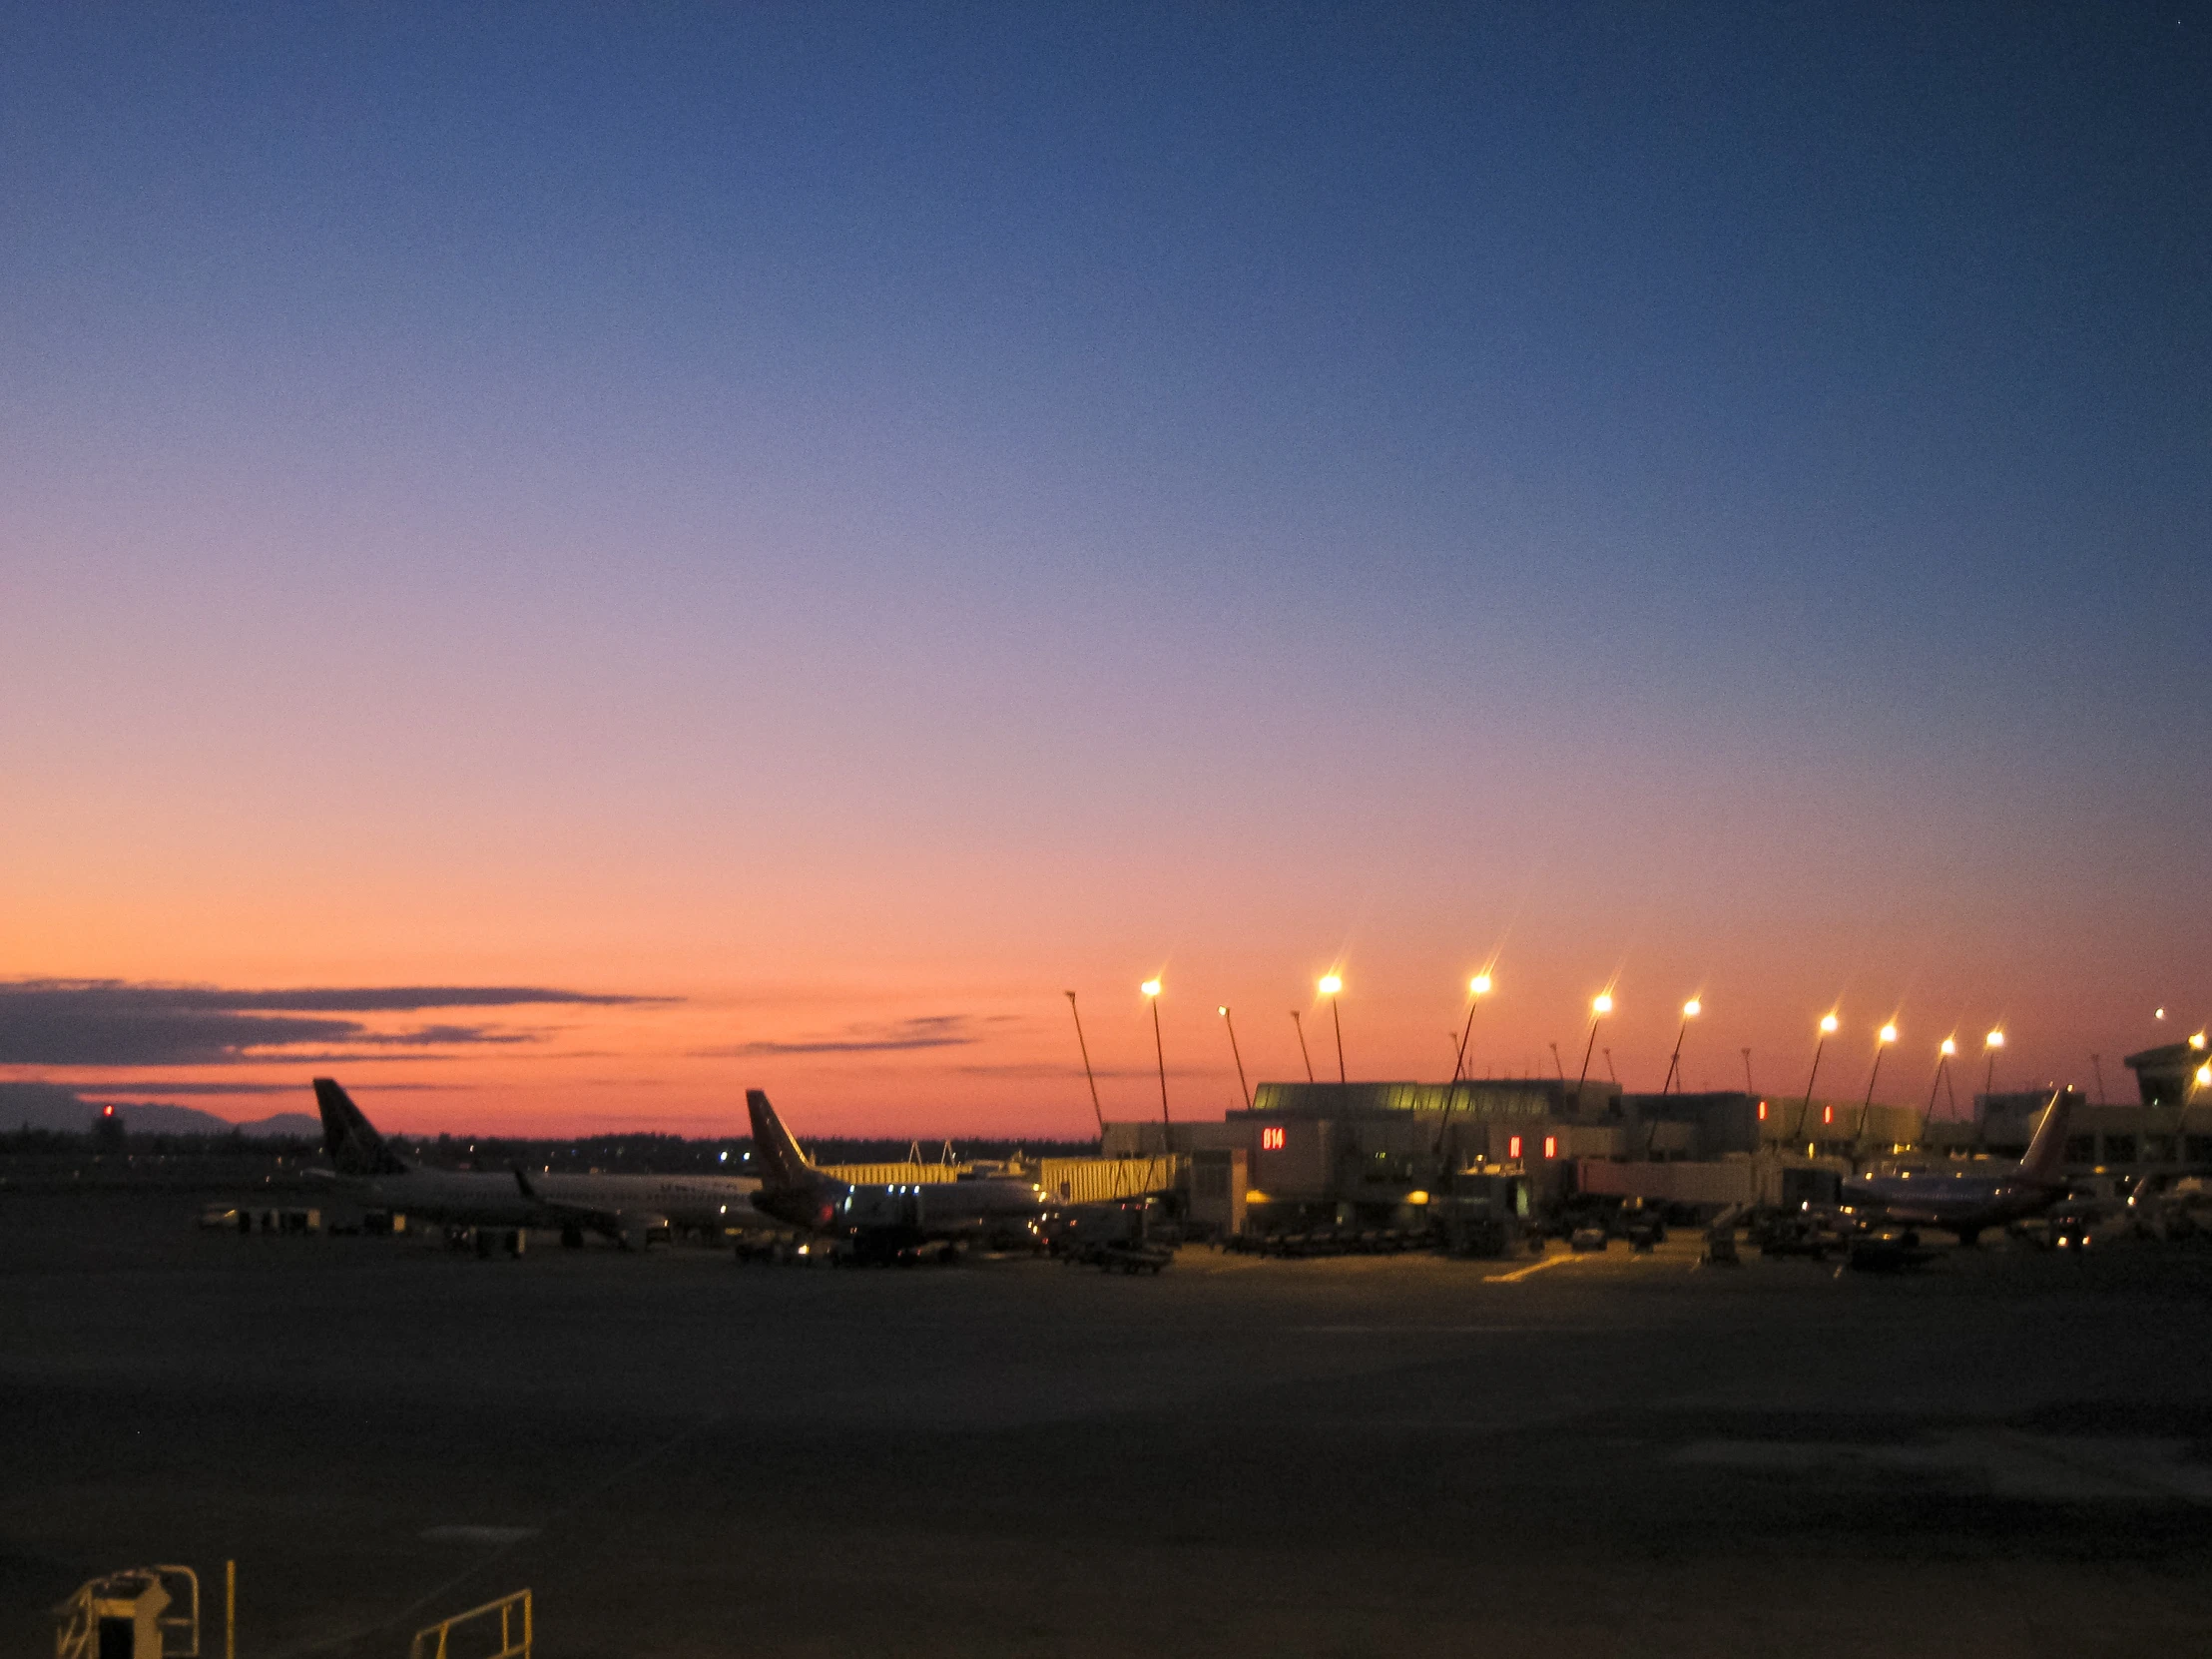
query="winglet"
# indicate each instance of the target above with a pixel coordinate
(524, 1181)
(783, 1165)
(351, 1141)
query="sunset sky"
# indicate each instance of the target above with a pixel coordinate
(598, 557)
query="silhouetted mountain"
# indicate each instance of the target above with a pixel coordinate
(51, 1107)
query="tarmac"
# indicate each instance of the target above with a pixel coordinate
(2009, 1453)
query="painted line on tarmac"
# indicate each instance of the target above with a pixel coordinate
(2000, 1462)
(476, 1534)
(499, 1552)
(1518, 1274)
(1465, 1330)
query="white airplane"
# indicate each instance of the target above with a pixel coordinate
(885, 1222)
(629, 1209)
(1965, 1202)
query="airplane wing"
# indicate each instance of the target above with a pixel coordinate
(620, 1224)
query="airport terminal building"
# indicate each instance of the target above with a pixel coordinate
(1375, 1153)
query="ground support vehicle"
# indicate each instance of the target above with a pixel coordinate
(1135, 1258)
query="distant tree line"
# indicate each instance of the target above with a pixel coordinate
(634, 1153)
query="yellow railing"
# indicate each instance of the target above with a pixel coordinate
(77, 1620)
(506, 1607)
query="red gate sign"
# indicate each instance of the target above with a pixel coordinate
(1274, 1140)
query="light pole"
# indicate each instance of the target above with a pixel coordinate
(1239, 1059)
(1088, 1076)
(1301, 1054)
(1748, 1089)
(1828, 1030)
(1331, 984)
(1476, 988)
(1944, 1051)
(1690, 1010)
(1601, 1005)
(1151, 989)
(1882, 1039)
(1990, 1044)
(2096, 1066)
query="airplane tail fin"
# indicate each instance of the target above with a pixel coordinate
(352, 1142)
(783, 1165)
(2047, 1146)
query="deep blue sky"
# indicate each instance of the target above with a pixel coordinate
(1572, 448)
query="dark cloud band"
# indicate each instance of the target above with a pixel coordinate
(113, 1022)
(923, 1031)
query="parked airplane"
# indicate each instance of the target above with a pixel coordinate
(882, 1221)
(629, 1209)
(371, 1172)
(1965, 1202)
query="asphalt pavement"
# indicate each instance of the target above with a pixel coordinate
(2009, 1453)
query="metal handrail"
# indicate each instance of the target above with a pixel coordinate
(505, 1607)
(76, 1631)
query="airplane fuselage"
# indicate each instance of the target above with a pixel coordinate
(450, 1197)
(700, 1201)
(1961, 1203)
(483, 1198)
(905, 1213)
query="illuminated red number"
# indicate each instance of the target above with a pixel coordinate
(1512, 1146)
(1551, 1146)
(1272, 1140)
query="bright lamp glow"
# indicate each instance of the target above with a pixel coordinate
(1601, 1003)
(1827, 1025)
(2204, 1076)
(1150, 987)
(2196, 1039)
(1223, 1011)
(1479, 984)
(1889, 1033)
(1331, 984)
(1692, 1008)
(1949, 1047)
(1994, 1039)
